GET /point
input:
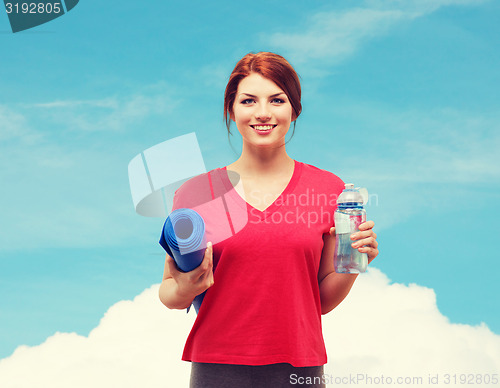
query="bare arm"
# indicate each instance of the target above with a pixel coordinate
(334, 287)
(178, 289)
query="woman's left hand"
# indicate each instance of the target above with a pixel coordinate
(366, 240)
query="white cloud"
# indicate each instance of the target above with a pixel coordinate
(136, 344)
(335, 35)
(419, 6)
(397, 330)
(62, 186)
(104, 103)
(214, 76)
(57, 195)
(110, 113)
(380, 329)
(441, 145)
(14, 125)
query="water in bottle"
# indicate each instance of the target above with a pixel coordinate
(348, 216)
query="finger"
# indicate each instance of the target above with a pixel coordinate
(332, 230)
(372, 253)
(208, 259)
(211, 279)
(203, 277)
(210, 274)
(208, 277)
(363, 234)
(370, 241)
(172, 267)
(366, 225)
(206, 280)
(206, 265)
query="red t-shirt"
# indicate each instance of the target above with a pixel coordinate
(264, 306)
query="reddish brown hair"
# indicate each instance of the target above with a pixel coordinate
(271, 66)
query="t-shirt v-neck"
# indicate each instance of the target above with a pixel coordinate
(276, 203)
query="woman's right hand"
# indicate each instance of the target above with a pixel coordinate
(192, 283)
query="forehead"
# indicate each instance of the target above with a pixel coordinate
(256, 84)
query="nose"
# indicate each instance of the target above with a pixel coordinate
(262, 113)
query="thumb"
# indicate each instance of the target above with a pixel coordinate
(332, 230)
(172, 267)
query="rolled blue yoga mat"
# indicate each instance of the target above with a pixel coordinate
(183, 238)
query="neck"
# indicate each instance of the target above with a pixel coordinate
(259, 161)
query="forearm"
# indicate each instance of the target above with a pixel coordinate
(333, 289)
(170, 297)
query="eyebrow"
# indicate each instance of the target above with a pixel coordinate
(274, 95)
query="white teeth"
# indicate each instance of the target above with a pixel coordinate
(263, 127)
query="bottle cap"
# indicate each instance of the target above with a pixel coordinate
(350, 197)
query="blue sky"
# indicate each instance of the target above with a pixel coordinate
(400, 97)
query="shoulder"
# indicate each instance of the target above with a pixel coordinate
(318, 176)
(194, 191)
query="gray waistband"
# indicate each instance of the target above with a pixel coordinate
(211, 375)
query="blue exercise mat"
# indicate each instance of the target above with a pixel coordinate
(183, 238)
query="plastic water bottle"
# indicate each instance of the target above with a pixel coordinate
(348, 216)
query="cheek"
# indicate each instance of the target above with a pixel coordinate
(241, 115)
(285, 115)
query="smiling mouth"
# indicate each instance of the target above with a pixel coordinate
(260, 127)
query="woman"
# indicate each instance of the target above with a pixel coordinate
(269, 283)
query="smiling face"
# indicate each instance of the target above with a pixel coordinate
(262, 111)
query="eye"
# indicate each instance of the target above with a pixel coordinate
(247, 101)
(277, 101)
